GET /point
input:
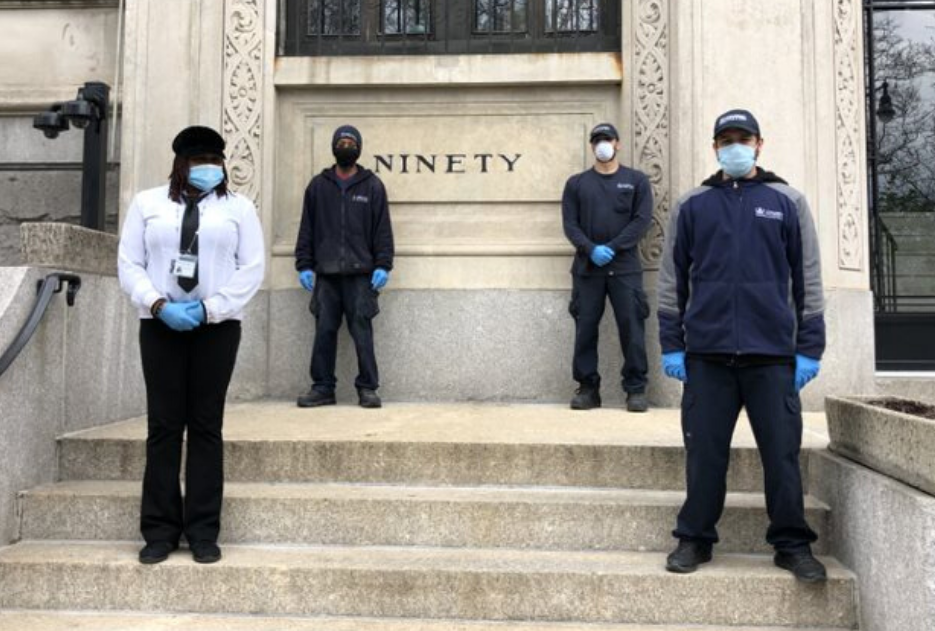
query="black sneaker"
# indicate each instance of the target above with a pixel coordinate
(205, 552)
(686, 558)
(369, 398)
(637, 402)
(803, 565)
(586, 398)
(315, 398)
(157, 552)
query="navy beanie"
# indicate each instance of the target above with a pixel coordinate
(347, 131)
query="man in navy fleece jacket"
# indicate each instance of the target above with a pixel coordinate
(741, 323)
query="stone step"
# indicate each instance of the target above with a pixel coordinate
(437, 444)
(99, 621)
(475, 584)
(484, 517)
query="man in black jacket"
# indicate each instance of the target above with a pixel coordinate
(344, 254)
(606, 210)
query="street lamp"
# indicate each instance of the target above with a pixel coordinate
(885, 111)
(88, 112)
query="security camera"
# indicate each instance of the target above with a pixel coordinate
(51, 122)
(79, 112)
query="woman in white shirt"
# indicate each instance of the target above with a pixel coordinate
(191, 258)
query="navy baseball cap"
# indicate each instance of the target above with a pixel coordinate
(737, 119)
(347, 131)
(604, 130)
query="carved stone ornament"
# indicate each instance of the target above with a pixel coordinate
(651, 116)
(848, 107)
(243, 114)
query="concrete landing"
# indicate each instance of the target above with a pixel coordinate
(437, 444)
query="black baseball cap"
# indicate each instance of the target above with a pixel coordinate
(604, 130)
(198, 141)
(737, 119)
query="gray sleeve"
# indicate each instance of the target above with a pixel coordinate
(666, 285)
(814, 298)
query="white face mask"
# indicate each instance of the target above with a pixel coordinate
(604, 151)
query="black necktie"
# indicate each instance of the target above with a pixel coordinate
(188, 244)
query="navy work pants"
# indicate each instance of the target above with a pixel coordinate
(334, 299)
(711, 402)
(588, 298)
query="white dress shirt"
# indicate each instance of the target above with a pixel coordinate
(231, 257)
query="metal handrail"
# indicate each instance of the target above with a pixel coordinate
(51, 284)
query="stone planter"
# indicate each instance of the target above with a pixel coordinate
(889, 434)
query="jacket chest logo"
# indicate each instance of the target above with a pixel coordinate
(363, 199)
(766, 213)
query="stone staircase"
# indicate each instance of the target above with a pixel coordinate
(416, 518)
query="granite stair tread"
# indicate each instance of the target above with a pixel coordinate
(625, 587)
(364, 514)
(132, 621)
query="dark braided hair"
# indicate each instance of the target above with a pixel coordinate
(178, 180)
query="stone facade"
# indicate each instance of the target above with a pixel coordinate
(496, 225)
(66, 44)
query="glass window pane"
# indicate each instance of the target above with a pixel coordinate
(334, 17)
(412, 17)
(903, 172)
(500, 16)
(565, 16)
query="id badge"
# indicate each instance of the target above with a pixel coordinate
(185, 266)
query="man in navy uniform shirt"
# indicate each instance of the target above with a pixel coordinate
(606, 210)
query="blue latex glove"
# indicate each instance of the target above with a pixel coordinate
(806, 369)
(673, 365)
(307, 279)
(196, 310)
(379, 278)
(176, 317)
(602, 255)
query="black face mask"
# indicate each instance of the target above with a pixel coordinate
(346, 156)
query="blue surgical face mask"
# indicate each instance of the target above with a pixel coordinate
(737, 159)
(205, 177)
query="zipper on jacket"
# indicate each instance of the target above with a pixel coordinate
(343, 228)
(737, 263)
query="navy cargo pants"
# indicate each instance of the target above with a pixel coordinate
(336, 298)
(588, 298)
(711, 403)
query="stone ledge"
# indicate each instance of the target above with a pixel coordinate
(893, 443)
(68, 247)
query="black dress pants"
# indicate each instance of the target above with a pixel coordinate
(711, 403)
(334, 299)
(588, 298)
(186, 374)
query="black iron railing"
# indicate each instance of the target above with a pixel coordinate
(448, 27)
(885, 290)
(51, 284)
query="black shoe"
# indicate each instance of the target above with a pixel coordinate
(315, 398)
(686, 558)
(637, 402)
(205, 552)
(586, 398)
(369, 398)
(803, 565)
(157, 552)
